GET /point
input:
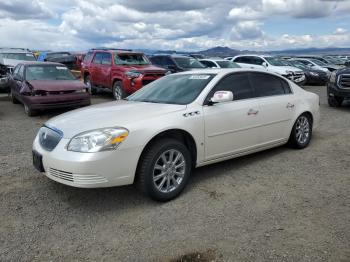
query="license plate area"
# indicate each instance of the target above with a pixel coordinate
(38, 161)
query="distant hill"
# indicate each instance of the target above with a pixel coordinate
(221, 51)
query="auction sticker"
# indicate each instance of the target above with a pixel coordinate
(199, 77)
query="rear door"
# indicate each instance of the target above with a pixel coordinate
(277, 106)
(232, 127)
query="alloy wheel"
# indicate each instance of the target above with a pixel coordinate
(169, 171)
(302, 130)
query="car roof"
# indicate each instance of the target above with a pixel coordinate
(173, 55)
(222, 71)
(28, 63)
(213, 59)
(14, 50)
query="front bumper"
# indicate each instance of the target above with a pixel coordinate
(298, 79)
(57, 101)
(89, 170)
(334, 90)
(131, 85)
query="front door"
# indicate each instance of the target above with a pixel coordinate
(232, 127)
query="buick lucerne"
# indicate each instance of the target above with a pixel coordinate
(155, 137)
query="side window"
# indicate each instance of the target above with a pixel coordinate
(97, 58)
(21, 71)
(267, 85)
(238, 84)
(106, 59)
(88, 57)
(16, 70)
(257, 60)
(167, 61)
(154, 60)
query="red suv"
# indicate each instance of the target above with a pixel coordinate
(122, 71)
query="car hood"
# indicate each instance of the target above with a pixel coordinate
(284, 69)
(144, 68)
(56, 85)
(335, 67)
(110, 114)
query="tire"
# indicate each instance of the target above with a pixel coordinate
(30, 112)
(168, 184)
(301, 134)
(87, 82)
(118, 90)
(335, 101)
(13, 98)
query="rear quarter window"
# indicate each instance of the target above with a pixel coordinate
(268, 85)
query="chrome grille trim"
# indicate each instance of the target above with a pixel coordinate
(76, 178)
(344, 81)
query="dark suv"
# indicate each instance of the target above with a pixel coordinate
(122, 71)
(176, 63)
(338, 87)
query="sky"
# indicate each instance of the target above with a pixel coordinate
(261, 25)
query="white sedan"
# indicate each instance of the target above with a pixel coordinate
(158, 135)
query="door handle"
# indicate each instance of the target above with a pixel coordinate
(252, 112)
(290, 106)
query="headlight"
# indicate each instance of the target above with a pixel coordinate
(98, 140)
(314, 74)
(333, 77)
(133, 74)
(289, 73)
(84, 90)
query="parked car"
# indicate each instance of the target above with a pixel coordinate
(9, 58)
(218, 63)
(313, 64)
(338, 87)
(122, 71)
(271, 64)
(334, 60)
(313, 76)
(176, 63)
(40, 86)
(322, 62)
(65, 58)
(158, 135)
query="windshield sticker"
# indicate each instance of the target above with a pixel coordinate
(199, 77)
(61, 68)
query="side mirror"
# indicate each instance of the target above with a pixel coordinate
(17, 78)
(221, 97)
(264, 64)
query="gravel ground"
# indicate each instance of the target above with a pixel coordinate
(277, 205)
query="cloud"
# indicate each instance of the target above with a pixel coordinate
(20, 10)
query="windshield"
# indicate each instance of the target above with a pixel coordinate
(297, 64)
(18, 56)
(227, 64)
(188, 62)
(318, 62)
(173, 89)
(274, 61)
(131, 59)
(51, 72)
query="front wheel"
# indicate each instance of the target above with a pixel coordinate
(13, 98)
(29, 111)
(164, 169)
(118, 91)
(301, 134)
(335, 101)
(88, 83)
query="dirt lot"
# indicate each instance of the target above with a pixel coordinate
(278, 205)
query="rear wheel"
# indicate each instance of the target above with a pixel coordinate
(301, 134)
(29, 111)
(164, 169)
(87, 81)
(118, 90)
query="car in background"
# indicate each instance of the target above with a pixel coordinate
(65, 58)
(176, 63)
(313, 64)
(271, 64)
(334, 60)
(325, 63)
(158, 135)
(120, 70)
(338, 87)
(218, 63)
(46, 85)
(313, 76)
(9, 58)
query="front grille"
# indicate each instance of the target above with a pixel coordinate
(75, 178)
(344, 81)
(49, 138)
(46, 93)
